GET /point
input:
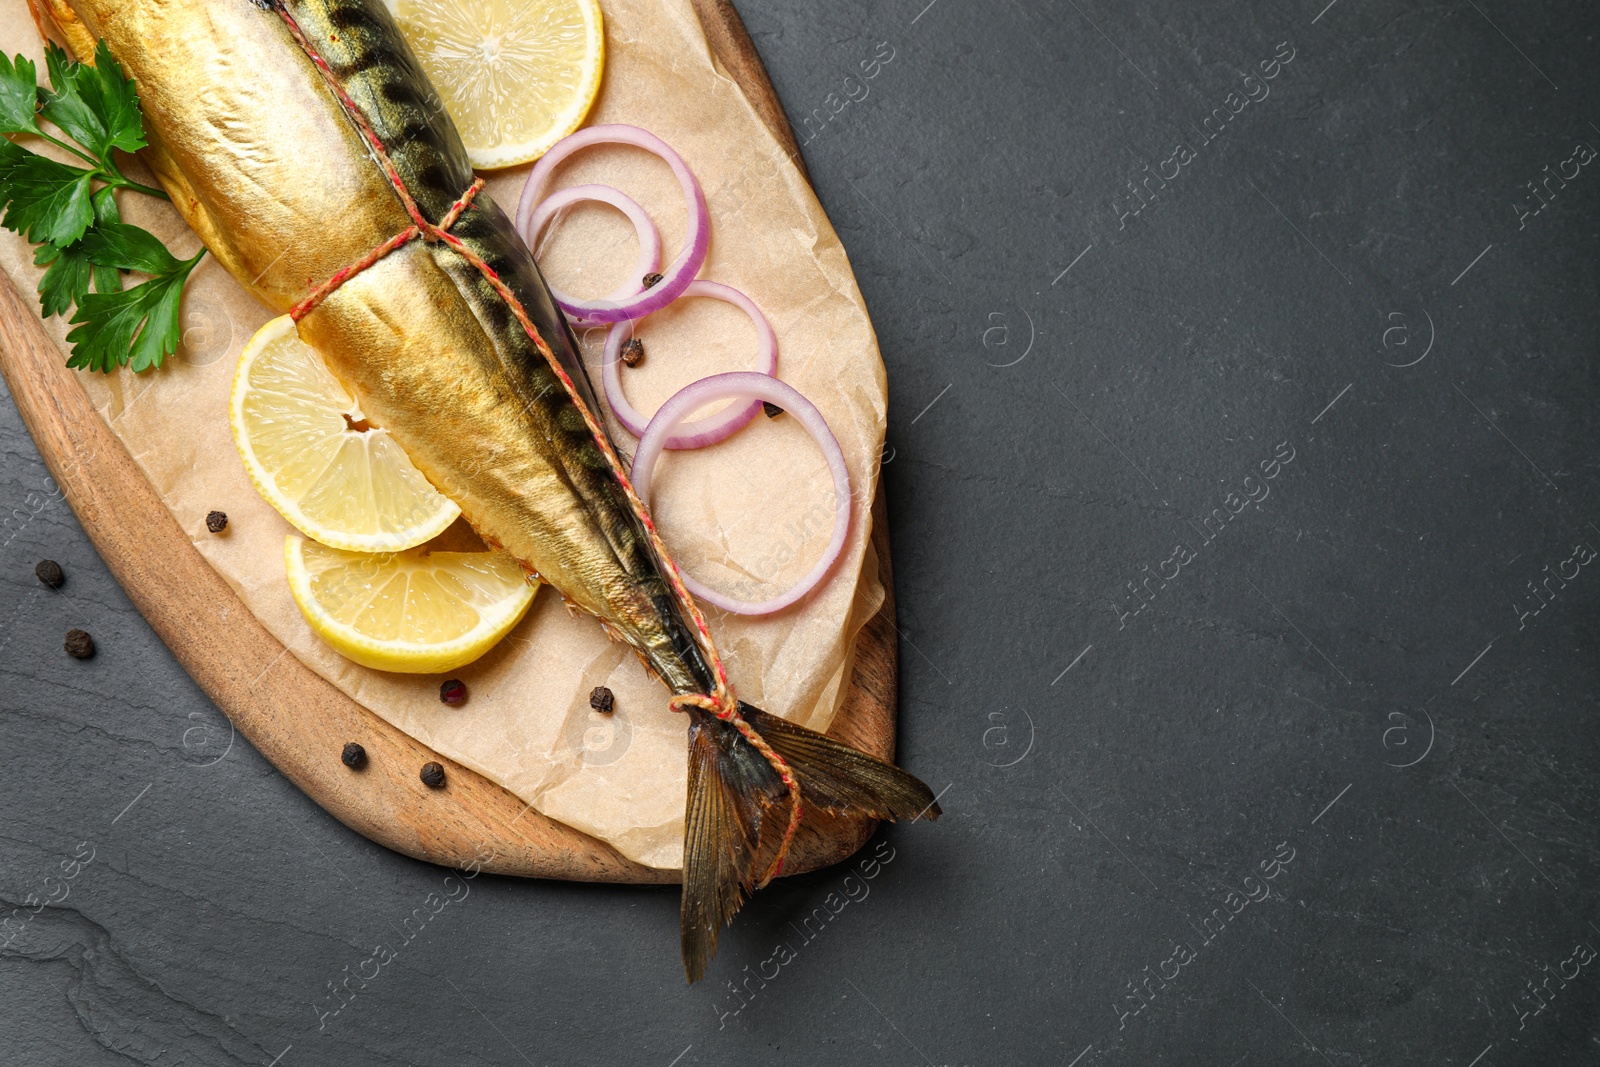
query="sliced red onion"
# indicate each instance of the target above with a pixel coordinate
(751, 385)
(712, 428)
(643, 228)
(679, 273)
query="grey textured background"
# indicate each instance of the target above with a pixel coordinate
(1074, 393)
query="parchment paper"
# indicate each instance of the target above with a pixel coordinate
(749, 515)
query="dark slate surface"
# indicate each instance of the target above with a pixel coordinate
(1310, 783)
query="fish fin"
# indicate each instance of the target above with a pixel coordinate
(738, 809)
(841, 779)
(728, 838)
(58, 15)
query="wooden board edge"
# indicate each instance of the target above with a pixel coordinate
(730, 42)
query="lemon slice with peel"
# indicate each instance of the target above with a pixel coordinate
(312, 455)
(515, 75)
(416, 612)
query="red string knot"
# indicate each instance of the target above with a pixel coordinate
(722, 703)
(426, 230)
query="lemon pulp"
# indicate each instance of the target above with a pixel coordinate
(312, 456)
(414, 612)
(516, 76)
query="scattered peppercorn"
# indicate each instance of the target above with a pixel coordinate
(48, 571)
(353, 756)
(433, 775)
(79, 645)
(453, 692)
(602, 700)
(651, 280)
(772, 410)
(633, 352)
(216, 521)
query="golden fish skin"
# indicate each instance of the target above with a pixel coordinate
(261, 160)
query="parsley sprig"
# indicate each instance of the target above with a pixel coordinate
(71, 211)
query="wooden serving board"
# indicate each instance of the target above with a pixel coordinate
(301, 722)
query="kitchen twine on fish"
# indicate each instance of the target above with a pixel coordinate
(720, 703)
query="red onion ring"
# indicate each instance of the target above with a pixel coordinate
(644, 229)
(679, 273)
(750, 385)
(712, 428)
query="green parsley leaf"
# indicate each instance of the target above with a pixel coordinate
(126, 247)
(66, 282)
(48, 201)
(136, 327)
(105, 206)
(11, 157)
(19, 95)
(97, 106)
(106, 279)
(82, 236)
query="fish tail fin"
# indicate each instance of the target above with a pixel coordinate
(727, 832)
(842, 780)
(737, 815)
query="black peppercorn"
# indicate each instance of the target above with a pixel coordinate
(602, 700)
(453, 692)
(633, 352)
(433, 775)
(48, 571)
(79, 645)
(772, 410)
(216, 521)
(651, 280)
(353, 756)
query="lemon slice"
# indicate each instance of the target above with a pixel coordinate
(515, 75)
(312, 456)
(415, 612)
